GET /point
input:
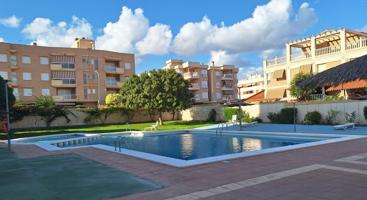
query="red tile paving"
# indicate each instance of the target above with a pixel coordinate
(324, 183)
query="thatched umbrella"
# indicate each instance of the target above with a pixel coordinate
(344, 73)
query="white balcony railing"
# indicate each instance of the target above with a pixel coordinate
(191, 75)
(326, 50)
(194, 86)
(300, 56)
(277, 61)
(362, 43)
(227, 76)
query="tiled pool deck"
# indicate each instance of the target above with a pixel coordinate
(331, 171)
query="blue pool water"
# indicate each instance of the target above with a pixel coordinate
(190, 146)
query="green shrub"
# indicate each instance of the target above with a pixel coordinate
(285, 116)
(331, 116)
(313, 118)
(257, 119)
(228, 112)
(212, 117)
(351, 117)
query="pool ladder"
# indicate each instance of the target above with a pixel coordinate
(118, 143)
(220, 128)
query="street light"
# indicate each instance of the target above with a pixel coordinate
(98, 97)
(239, 105)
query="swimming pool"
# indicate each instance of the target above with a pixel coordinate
(184, 148)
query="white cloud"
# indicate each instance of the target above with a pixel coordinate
(2, 39)
(364, 29)
(157, 40)
(11, 21)
(46, 33)
(270, 26)
(133, 33)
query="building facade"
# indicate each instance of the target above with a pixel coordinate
(207, 83)
(311, 55)
(80, 75)
(251, 86)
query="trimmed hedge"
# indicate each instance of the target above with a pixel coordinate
(285, 116)
(313, 117)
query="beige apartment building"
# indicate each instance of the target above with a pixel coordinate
(208, 83)
(80, 75)
(311, 55)
(251, 86)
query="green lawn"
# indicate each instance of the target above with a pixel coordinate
(168, 125)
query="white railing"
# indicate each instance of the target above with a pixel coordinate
(277, 61)
(326, 50)
(191, 75)
(111, 82)
(228, 76)
(361, 43)
(317, 97)
(300, 56)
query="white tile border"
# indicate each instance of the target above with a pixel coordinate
(47, 145)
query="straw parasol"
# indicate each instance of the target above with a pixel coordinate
(344, 73)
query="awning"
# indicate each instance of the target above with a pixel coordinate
(349, 85)
(279, 74)
(275, 94)
(306, 69)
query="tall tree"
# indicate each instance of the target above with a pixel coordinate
(301, 94)
(11, 98)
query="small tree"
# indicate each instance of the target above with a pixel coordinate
(313, 117)
(46, 108)
(301, 94)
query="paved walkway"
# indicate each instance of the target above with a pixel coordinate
(333, 171)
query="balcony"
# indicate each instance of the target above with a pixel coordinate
(361, 43)
(227, 77)
(62, 66)
(113, 70)
(113, 84)
(327, 50)
(227, 87)
(191, 75)
(65, 97)
(276, 61)
(63, 83)
(194, 86)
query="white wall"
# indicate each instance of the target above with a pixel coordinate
(262, 110)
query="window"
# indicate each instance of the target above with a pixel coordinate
(3, 58)
(4, 74)
(27, 92)
(217, 84)
(26, 59)
(127, 66)
(27, 76)
(204, 95)
(44, 61)
(218, 95)
(16, 92)
(204, 84)
(204, 74)
(218, 73)
(85, 93)
(85, 78)
(45, 92)
(45, 77)
(13, 60)
(14, 77)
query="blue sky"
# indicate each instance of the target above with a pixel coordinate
(231, 31)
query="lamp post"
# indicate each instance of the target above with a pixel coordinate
(7, 114)
(294, 116)
(98, 97)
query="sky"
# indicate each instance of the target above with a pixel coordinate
(239, 32)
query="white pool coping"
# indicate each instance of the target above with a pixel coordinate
(48, 145)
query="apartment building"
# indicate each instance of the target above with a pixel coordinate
(311, 55)
(251, 86)
(208, 83)
(80, 75)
